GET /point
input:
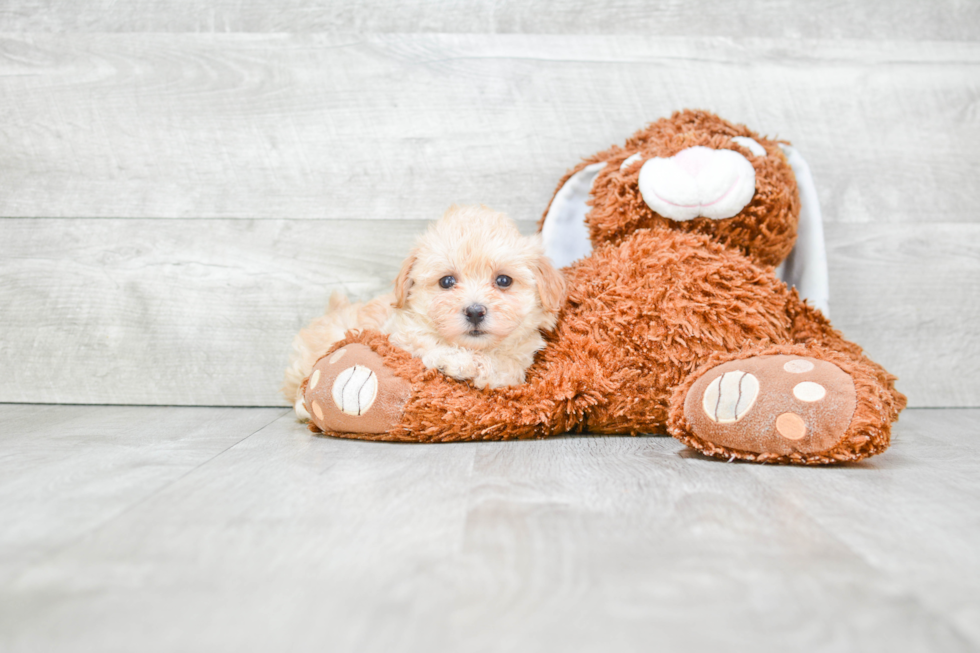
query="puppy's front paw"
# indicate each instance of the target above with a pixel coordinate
(300, 408)
(484, 376)
(492, 377)
(457, 363)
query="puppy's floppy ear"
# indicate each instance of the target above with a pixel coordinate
(403, 282)
(551, 285)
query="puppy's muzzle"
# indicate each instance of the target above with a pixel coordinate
(475, 313)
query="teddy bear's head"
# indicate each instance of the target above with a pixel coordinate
(692, 172)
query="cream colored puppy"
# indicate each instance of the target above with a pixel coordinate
(471, 300)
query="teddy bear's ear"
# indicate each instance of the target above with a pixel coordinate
(564, 232)
(806, 266)
(403, 282)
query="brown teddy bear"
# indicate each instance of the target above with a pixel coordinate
(674, 321)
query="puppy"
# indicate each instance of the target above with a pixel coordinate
(470, 300)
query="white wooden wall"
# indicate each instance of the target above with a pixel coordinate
(182, 184)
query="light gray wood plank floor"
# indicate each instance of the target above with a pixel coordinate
(217, 529)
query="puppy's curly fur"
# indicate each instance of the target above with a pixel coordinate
(470, 300)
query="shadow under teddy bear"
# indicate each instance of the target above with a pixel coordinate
(674, 321)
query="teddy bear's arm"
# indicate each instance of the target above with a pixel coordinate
(390, 395)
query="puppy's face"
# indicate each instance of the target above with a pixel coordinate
(476, 281)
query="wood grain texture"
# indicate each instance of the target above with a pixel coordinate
(937, 449)
(67, 470)
(203, 312)
(399, 126)
(906, 294)
(175, 312)
(287, 541)
(870, 19)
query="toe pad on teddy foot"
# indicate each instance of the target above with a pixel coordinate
(772, 405)
(351, 391)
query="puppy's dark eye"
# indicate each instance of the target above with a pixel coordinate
(447, 282)
(503, 281)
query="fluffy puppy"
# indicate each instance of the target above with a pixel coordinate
(470, 300)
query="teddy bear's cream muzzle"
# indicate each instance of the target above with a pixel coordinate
(698, 182)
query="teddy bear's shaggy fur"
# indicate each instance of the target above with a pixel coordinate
(677, 326)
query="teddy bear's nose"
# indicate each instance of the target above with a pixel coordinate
(698, 181)
(475, 313)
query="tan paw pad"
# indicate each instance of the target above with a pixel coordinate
(798, 366)
(355, 389)
(361, 396)
(730, 396)
(791, 404)
(791, 426)
(809, 391)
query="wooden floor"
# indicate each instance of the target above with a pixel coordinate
(235, 529)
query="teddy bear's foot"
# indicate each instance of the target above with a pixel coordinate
(775, 408)
(351, 391)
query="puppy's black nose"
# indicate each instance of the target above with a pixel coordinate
(475, 313)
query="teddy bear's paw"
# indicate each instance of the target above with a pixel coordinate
(777, 405)
(351, 391)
